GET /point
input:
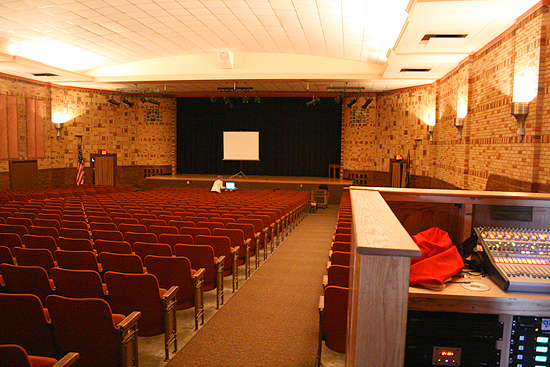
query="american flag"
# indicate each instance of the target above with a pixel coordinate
(80, 167)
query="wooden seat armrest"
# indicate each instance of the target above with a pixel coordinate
(329, 263)
(129, 321)
(68, 360)
(235, 250)
(247, 241)
(325, 280)
(321, 303)
(170, 293)
(221, 259)
(257, 234)
(199, 273)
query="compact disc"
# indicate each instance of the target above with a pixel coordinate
(475, 286)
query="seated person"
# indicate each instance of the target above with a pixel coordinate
(217, 187)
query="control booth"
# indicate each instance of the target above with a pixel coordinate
(496, 317)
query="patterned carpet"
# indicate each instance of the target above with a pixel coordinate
(273, 319)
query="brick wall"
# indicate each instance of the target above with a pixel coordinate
(490, 154)
(142, 135)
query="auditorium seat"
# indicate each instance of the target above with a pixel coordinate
(99, 218)
(44, 231)
(129, 227)
(19, 221)
(176, 271)
(117, 247)
(224, 220)
(203, 257)
(210, 225)
(250, 237)
(121, 263)
(104, 226)
(222, 247)
(25, 322)
(337, 275)
(73, 224)
(142, 249)
(160, 229)
(78, 283)
(195, 231)
(236, 236)
(77, 260)
(10, 240)
(333, 307)
(75, 244)
(27, 280)
(340, 246)
(111, 235)
(13, 355)
(127, 220)
(174, 239)
(14, 228)
(74, 233)
(132, 237)
(87, 326)
(195, 219)
(141, 292)
(340, 258)
(34, 257)
(148, 222)
(260, 232)
(6, 256)
(47, 222)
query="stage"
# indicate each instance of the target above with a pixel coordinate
(336, 186)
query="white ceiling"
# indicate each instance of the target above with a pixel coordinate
(278, 45)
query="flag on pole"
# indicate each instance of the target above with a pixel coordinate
(80, 167)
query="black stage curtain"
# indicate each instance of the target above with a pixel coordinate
(295, 139)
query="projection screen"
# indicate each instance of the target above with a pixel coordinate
(241, 145)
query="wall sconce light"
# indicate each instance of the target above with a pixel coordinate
(431, 131)
(520, 110)
(459, 124)
(58, 127)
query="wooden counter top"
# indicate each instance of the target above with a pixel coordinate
(455, 298)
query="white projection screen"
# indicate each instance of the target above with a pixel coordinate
(241, 145)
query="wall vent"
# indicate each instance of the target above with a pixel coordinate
(45, 74)
(414, 70)
(427, 37)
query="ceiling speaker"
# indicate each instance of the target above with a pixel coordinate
(226, 59)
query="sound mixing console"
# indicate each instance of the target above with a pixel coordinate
(518, 260)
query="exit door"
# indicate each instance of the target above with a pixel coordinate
(103, 167)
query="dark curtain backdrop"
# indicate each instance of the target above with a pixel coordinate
(295, 139)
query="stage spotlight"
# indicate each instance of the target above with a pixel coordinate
(313, 101)
(245, 99)
(151, 100)
(125, 101)
(143, 99)
(352, 102)
(112, 101)
(227, 102)
(257, 99)
(367, 103)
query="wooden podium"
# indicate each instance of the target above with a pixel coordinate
(398, 173)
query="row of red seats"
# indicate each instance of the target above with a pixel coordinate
(60, 192)
(333, 303)
(156, 246)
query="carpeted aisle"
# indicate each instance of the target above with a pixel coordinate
(273, 319)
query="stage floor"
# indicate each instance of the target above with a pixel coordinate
(336, 186)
